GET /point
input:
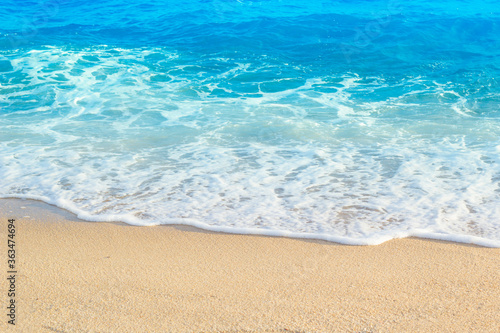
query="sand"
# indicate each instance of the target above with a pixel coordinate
(76, 276)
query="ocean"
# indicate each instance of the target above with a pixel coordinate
(349, 121)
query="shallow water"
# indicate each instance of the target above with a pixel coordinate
(353, 122)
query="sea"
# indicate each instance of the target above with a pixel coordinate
(349, 121)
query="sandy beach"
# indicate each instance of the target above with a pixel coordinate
(76, 276)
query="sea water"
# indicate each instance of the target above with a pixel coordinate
(350, 121)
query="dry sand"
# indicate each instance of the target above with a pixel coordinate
(76, 276)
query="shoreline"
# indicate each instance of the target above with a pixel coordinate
(104, 277)
(201, 227)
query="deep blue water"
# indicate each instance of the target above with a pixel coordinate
(353, 121)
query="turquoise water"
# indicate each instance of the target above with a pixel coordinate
(351, 121)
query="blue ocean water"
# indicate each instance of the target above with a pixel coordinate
(350, 121)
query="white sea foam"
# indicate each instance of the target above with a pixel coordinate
(144, 137)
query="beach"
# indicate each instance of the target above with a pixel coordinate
(250, 166)
(77, 276)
